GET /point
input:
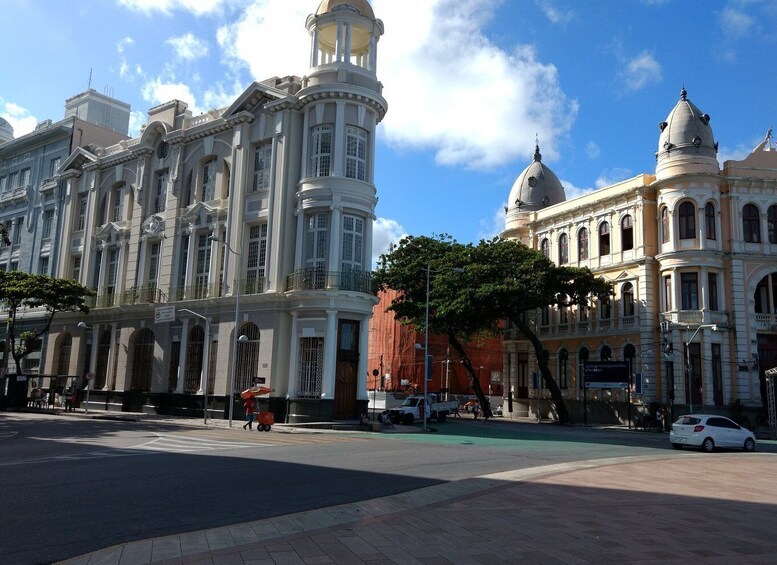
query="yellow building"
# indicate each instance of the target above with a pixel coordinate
(692, 254)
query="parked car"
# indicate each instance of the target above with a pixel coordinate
(709, 431)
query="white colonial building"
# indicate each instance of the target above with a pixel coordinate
(692, 253)
(254, 222)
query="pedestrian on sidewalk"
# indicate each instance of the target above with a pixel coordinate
(250, 405)
(475, 411)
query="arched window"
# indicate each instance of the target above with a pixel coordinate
(605, 354)
(687, 219)
(194, 352)
(247, 357)
(751, 224)
(771, 222)
(65, 347)
(103, 354)
(142, 361)
(664, 224)
(604, 239)
(709, 220)
(545, 247)
(582, 359)
(627, 299)
(627, 233)
(563, 368)
(582, 244)
(629, 355)
(563, 249)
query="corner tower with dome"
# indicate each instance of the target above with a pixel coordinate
(254, 221)
(691, 252)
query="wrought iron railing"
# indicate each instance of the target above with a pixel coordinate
(148, 294)
(317, 279)
(195, 292)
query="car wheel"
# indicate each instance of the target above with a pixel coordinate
(677, 445)
(708, 445)
(749, 444)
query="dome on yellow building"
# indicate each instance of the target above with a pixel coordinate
(536, 187)
(686, 140)
(361, 6)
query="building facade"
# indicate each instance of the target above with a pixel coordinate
(233, 248)
(691, 252)
(32, 195)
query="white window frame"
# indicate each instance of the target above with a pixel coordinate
(257, 257)
(160, 193)
(317, 241)
(262, 167)
(47, 223)
(82, 203)
(356, 153)
(208, 190)
(352, 256)
(321, 149)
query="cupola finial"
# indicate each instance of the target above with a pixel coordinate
(683, 93)
(537, 154)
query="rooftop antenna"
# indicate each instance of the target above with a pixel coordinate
(89, 86)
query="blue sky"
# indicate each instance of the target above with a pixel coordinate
(469, 83)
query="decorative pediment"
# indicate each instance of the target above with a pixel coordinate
(112, 233)
(624, 275)
(255, 96)
(77, 160)
(153, 226)
(203, 213)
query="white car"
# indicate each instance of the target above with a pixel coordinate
(709, 431)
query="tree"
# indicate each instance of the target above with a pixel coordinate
(50, 295)
(502, 279)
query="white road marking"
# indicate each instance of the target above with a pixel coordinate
(183, 444)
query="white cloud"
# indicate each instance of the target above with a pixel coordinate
(196, 7)
(571, 191)
(736, 23)
(21, 120)
(450, 90)
(492, 227)
(740, 151)
(454, 92)
(124, 43)
(611, 176)
(593, 150)
(385, 232)
(158, 91)
(121, 46)
(641, 71)
(137, 119)
(188, 47)
(553, 13)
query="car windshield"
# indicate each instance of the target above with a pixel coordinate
(688, 420)
(411, 402)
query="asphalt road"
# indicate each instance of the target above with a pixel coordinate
(74, 485)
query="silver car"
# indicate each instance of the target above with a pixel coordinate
(710, 431)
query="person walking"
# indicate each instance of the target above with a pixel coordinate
(250, 405)
(475, 411)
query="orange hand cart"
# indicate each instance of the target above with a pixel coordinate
(264, 421)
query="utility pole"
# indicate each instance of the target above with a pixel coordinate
(447, 372)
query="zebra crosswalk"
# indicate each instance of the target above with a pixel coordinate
(191, 444)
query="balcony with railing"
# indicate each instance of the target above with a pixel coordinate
(148, 294)
(316, 279)
(198, 291)
(695, 317)
(766, 322)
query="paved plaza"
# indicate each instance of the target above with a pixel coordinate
(681, 507)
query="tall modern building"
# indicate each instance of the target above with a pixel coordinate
(233, 247)
(32, 194)
(691, 251)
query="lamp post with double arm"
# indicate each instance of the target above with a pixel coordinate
(688, 368)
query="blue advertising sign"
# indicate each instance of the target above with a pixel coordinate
(606, 374)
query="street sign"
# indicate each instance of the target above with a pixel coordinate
(606, 374)
(90, 376)
(164, 314)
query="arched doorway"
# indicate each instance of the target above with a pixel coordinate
(142, 361)
(194, 351)
(247, 357)
(103, 354)
(766, 320)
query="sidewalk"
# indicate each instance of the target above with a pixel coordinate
(684, 507)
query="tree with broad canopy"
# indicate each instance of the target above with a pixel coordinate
(24, 290)
(474, 288)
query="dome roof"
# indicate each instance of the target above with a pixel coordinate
(361, 6)
(686, 138)
(6, 131)
(536, 187)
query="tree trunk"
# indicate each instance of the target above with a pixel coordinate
(547, 377)
(474, 382)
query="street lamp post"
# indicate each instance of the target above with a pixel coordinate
(237, 322)
(206, 362)
(689, 371)
(426, 336)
